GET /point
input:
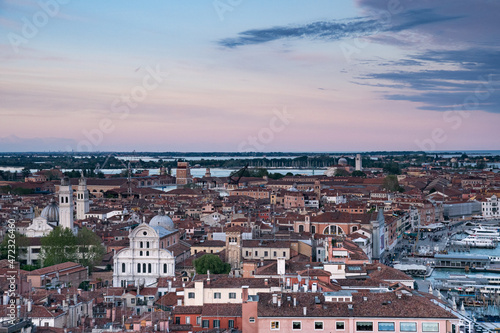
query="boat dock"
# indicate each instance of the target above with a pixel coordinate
(461, 261)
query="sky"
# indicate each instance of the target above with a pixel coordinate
(241, 76)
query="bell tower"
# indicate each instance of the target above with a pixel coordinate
(66, 204)
(233, 247)
(82, 199)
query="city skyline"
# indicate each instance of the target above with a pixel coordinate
(241, 76)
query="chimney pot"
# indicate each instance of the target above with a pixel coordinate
(305, 310)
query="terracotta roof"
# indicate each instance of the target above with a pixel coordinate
(221, 310)
(374, 305)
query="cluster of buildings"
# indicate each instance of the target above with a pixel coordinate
(307, 253)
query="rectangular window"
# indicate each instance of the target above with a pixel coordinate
(275, 325)
(275, 253)
(388, 327)
(217, 295)
(430, 327)
(256, 253)
(318, 325)
(251, 319)
(246, 253)
(177, 320)
(230, 323)
(340, 325)
(266, 253)
(296, 325)
(190, 295)
(408, 327)
(232, 295)
(198, 321)
(188, 320)
(205, 323)
(365, 326)
(216, 323)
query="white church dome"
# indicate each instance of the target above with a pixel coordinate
(51, 212)
(162, 220)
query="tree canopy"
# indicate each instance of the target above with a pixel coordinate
(212, 263)
(20, 243)
(61, 245)
(391, 184)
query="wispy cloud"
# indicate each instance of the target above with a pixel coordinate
(324, 30)
(337, 29)
(449, 78)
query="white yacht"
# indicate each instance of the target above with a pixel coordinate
(485, 233)
(473, 241)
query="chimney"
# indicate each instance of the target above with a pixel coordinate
(169, 286)
(294, 301)
(266, 282)
(208, 278)
(275, 298)
(29, 306)
(245, 293)
(349, 306)
(305, 310)
(379, 268)
(365, 298)
(75, 299)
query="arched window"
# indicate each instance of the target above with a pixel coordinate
(147, 253)
(147, 245)
(144, 268)
(301, 228)
(141, 245)
(140, 253)
(123, 267)
(149, 268)
(313, 229)
(165, 268)
(333, 230)
(138, 268)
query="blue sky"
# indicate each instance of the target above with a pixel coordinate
(239, 75)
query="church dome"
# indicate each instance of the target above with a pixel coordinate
(51, 212)
(342, 161)
(162, 220)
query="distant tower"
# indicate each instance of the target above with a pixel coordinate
(207, 173)
(359, 163)
(183, 174)
(82, 199)
(66, 204)
(233, 247)
(317, 189)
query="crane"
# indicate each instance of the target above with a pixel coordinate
(240, 172)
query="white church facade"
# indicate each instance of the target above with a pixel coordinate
(147, 258)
